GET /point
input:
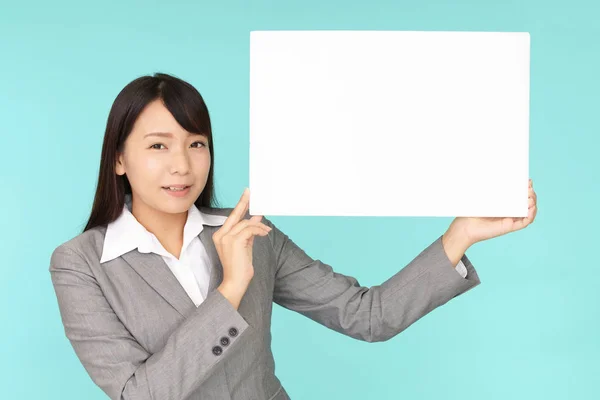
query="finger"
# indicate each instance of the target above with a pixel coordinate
(525, 221)
(530, 213)
(250, 231)
(532, 194)
(237, 213)
(245, 223)
(521, 223)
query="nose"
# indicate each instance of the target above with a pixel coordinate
(180, 163)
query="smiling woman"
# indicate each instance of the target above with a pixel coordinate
(166, 296)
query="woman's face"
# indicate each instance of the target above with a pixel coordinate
(159, 153)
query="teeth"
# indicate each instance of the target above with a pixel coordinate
(177, 189)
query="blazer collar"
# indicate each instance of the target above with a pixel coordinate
(153, 269)
(126, 233)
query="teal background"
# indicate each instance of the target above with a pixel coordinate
(531, 330)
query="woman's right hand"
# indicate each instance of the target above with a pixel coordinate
(234, 241)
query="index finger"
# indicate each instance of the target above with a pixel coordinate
(238, 212)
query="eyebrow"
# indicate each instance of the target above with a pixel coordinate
(170, 135)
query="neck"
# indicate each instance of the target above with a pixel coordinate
(167, 227)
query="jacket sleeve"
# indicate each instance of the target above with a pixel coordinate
(113, 358)
(378, 313)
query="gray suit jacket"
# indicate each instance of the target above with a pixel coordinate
(140, 336)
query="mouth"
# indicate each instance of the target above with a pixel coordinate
(177, 188)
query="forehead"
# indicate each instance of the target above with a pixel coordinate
(156, 117)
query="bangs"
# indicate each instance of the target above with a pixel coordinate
(187, 106)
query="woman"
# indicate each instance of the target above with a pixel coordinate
(164, 296)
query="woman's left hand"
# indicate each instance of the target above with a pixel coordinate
(477, 229)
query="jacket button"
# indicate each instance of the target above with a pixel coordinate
(217, 350)
(233, 332)
(224, 341)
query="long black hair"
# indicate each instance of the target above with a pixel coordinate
(186, 105)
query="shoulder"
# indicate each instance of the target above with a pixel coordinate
(84, 248)
(216, 211)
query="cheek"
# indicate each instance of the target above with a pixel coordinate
(202, 164)
(144, 169)
(152, 165)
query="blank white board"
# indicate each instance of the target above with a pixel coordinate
(389, 123)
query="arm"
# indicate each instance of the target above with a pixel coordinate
(115, 361)
(373, 314)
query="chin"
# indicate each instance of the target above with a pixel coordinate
(175, 207)
(178, 205)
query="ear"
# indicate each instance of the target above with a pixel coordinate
(120, 165)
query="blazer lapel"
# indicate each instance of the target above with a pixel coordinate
(153, 269)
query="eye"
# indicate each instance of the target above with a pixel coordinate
(156, 144)
(202, 143)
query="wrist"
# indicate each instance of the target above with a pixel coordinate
(459, 233)
(455, 242)
(236, 284)
(233, 291)
(233, 286)
(230, 294)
